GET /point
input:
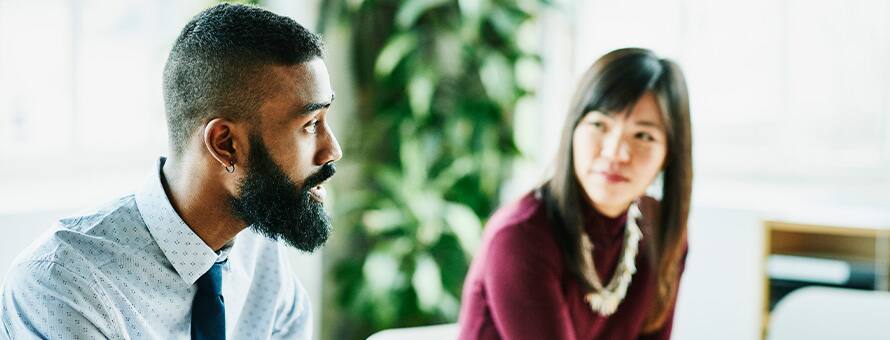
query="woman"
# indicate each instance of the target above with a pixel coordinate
(587, 255)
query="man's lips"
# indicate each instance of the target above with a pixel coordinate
(316, 180)
(318, 192)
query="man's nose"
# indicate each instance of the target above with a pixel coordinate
(330, 149)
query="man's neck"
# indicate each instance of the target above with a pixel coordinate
(201, 202)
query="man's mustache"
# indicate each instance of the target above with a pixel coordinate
(327, 171)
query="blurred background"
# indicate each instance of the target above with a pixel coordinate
(448, 108)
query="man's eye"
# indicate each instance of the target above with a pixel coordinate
(312, 127)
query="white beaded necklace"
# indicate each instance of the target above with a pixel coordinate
(605, 300)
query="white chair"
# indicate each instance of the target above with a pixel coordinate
(438, 332)
(817, 313)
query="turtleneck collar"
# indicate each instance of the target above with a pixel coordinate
(604, 229)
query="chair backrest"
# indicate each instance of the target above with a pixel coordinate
(438, 332)
(816, 313)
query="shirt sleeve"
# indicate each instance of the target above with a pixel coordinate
(523, 287)
(43, 300)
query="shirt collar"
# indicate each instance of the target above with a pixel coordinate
(187, 252)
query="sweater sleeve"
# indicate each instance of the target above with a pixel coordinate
(523, 287)
(665, 332)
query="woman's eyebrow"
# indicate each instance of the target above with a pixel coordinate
(648, 123)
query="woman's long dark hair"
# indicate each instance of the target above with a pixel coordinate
(614, 83)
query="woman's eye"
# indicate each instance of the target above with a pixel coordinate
(645, 136)
(312, 127)
(598, 124)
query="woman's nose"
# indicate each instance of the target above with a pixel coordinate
(615, 148)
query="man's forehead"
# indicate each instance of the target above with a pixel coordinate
(307, 82)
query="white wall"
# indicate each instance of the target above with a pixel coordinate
(721, 292)
(20, 230)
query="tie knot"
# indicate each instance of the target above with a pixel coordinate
(211, 281)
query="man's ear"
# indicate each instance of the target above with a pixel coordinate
(221, 138)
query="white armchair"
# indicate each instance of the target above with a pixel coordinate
(438, 332)
(819, 313)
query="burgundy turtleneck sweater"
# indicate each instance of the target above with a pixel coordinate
(519, 288)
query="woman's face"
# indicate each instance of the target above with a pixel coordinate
(616, 157)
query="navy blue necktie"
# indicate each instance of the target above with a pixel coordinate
(208, 310)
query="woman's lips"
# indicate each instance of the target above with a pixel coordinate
(612, 177)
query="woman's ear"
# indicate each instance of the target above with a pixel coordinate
(222, 142)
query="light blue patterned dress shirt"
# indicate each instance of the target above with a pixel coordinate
(127, 271)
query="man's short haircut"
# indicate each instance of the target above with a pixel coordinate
(216, 67)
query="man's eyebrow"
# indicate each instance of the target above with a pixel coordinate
(312, 107)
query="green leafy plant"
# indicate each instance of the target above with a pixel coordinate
(436, 83)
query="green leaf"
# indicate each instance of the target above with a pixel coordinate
(413, 9)
(528, 73)
(458, 132)
(526, 131)
(428, 232)
(398, 247)
(472, 13)
(528, 36)
(449, 51)
(490, 161)
(431, 146)
(427, 282)
(459, 168)
(531, 6)
(382, 308)
(420, 94)
(413, 164)
(381, 272)
(497, 78)
(354, 202)
(453, 262)
(382, 220)
(449, 305)
(472, 9)
(390, 180)
(465, 225)
(396, 49)
(354, 5)
(427, 208)
(504, 21)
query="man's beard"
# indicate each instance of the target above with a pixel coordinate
(278, 208)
